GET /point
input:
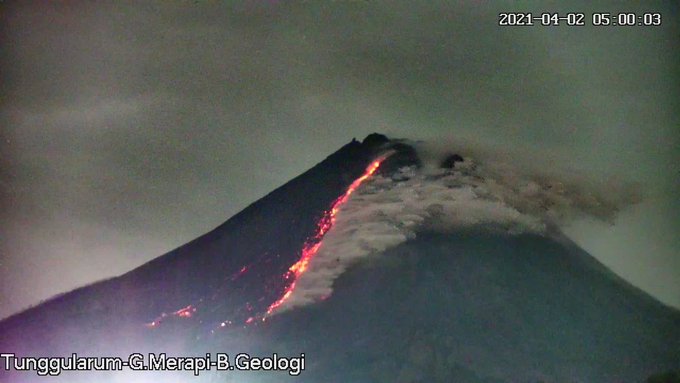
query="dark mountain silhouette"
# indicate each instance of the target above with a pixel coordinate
(469, 306)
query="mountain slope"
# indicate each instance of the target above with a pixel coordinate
(480, 307)
(464, 304)
(267, 235)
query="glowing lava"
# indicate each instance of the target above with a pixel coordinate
(186, 312)
(312, 246)
(309, 250)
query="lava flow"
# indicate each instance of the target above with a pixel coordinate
(311, 247)
(190, 310)
(309, 250)
(186, 312)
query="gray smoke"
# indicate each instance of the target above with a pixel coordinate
(387, 211)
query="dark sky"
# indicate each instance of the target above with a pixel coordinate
(128, 129)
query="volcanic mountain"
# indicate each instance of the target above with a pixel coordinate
(379, 267)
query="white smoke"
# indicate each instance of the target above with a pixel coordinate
(387, 211)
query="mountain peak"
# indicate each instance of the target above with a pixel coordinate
(375, 139)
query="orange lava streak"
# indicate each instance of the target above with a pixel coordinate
(325, 224)
(186, 312)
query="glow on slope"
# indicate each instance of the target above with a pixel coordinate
(309, 249)
(186, 312)
(190, 310)
(312, 246)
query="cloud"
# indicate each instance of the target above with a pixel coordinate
(93, 112)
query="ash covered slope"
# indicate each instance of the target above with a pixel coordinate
(481, 307)
(228, 274)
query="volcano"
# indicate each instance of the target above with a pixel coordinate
(368, 268)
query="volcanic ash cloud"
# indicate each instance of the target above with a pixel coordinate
(388, 210)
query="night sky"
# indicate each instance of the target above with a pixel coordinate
(127, 130)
